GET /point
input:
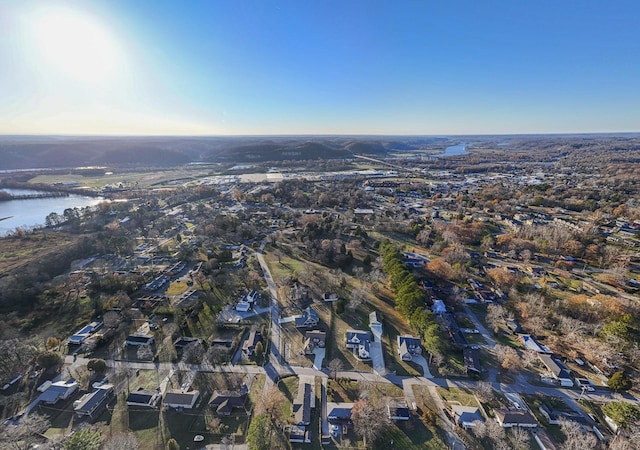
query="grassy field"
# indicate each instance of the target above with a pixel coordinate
(140, 179)
(17, 252)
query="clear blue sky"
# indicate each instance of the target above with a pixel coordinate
(319, 66)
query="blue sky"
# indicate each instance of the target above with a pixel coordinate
(319, 67)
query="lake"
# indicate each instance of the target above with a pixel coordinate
(455, 150)
(31, 213)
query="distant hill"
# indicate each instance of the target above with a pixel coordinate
(29, 152)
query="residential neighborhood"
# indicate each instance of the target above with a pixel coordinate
(366, 307)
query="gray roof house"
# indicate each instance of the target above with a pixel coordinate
(508, 418)
(92, 404)
(339, 413)
(249, 345)
(179, 399)
(224, 402)
(314, 338)
(398, 410)
(309, 318)
(60, 390)
(466, 416)
(359, 342)
(302, 405)
(143, 398)
(408, 347)
(557, 369)
(555, 417)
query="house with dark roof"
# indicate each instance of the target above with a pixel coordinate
(398, 410)
(509, 418)
(314, 338)
(471, 358)
(249, 345)
(330, 297)
(93, 403)
(59, 390)
(179, 399)
(299, 435)
(408, 347)
(302, 405)
(531, 343)
(339, 413)
(514, 326)
(224, 402)
(144, 398)
(359, 342)
(557, 369)
(136, 340)
(308, 319)
(556, 417)
(183, 341)
(81, 335)
(466, 416)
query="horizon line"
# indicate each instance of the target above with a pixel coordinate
(125, 135)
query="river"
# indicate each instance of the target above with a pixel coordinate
(455, 150)
(29, 213)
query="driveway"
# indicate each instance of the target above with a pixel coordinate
(485, 333)
(375, 349)
(318, 358)
(422, 362)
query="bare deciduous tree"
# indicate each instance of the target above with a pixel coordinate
(508, 357)
(121, 441)
(24, 434)
(369, 420)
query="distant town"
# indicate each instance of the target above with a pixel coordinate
(338, 293)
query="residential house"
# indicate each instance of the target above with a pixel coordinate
(330, 297)
(299, 435)
(179, 399)
(60, 390)
(438, 307)
(302, 405)
(308, 319)
(314, 338)
(530, 343)
(183, 341)
(557, 369)
(408, 347)
(514, 326)
(249, 345)
(144, 398)
(359, 342)
(398, 410)
(556, 417)
(466, 416)
(509, 418)
(339, 413)
(224, 402)
(92, 404)
(136, 340)
(472, 361)
(243, 306)
(80, 336)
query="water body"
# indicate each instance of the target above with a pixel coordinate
(455, 150)
(29, 213)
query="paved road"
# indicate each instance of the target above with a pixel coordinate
(275, 354)
(485, 333)
(375, 349)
